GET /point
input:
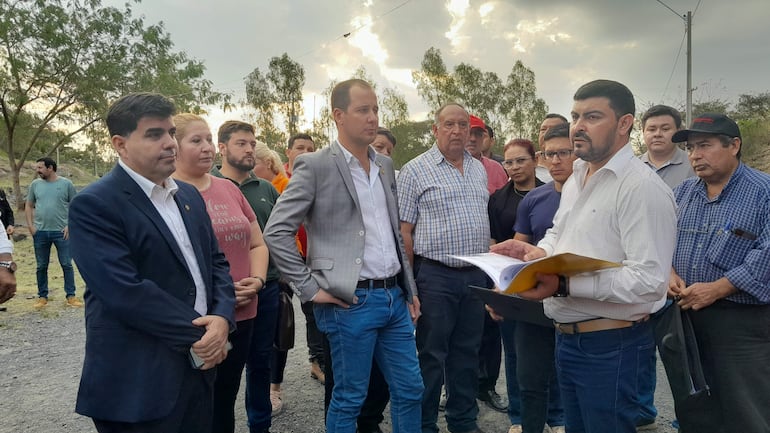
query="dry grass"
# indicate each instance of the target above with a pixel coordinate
(26, 283)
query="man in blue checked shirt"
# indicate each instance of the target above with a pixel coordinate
(442, 199)
(722, 270)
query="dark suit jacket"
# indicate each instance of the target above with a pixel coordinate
(140, 296)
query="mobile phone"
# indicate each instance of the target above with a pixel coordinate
(196, 360)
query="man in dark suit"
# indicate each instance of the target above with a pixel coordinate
(159, 298)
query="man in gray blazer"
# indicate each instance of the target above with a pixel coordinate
(357, 274)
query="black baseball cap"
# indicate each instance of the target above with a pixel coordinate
(709, 123)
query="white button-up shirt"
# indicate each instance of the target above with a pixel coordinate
(162, 198)
(380, 258)
(623, 213)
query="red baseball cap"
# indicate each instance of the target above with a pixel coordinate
(477, 123)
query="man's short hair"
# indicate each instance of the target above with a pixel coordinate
(231, 126)
(48, 162)
(663, 110)
(341, 92)
(389, 135)
(300, 136)
(558, 131)
(443, 107)
(125, 113)
(556, 116)
(621, 98)
(490, 131)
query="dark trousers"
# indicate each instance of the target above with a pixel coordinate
(536, 375)
(228, 379)
(191, 414)
(448, 340)
(377, 396)
(490, 355)
(734, 343)
(258, 407)
(315, 338)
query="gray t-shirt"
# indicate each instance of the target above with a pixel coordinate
(52, 202)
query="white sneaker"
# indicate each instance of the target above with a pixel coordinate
(516, 428)
(556, 429)
(276, 402)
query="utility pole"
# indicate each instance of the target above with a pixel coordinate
(688, 112)
(688, 29)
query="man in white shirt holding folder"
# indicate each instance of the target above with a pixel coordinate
(612, 208)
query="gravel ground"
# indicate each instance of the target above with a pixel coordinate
(41, 354)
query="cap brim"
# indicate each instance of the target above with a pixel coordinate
(681, 135)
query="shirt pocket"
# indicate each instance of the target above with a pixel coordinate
(728, 250)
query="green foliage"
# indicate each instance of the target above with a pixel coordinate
(512, 107)
(279, 90)
(63, 61)
(413, 139)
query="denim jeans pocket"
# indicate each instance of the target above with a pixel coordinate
(361, 296)
(597, 346)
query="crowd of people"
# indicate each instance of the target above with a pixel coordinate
(187, 265)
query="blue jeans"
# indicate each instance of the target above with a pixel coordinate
(598, 373)
(258, 408)
(448, 340)
(43, 239)
(377, 326)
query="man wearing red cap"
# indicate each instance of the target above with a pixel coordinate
(720, 273)
(491, 351)
(496, 176)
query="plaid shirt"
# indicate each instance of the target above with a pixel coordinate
(448, 209)
(728, 236)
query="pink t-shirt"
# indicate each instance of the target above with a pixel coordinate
(496, 175)
(231, 216)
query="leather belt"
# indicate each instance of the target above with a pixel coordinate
(377, 284)
(596, 325)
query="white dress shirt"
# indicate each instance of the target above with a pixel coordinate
(380, 257)
(162, 198)
(623, 213)
(6, 246)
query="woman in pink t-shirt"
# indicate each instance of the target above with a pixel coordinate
(240, 239)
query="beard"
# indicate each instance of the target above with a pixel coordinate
(243, 164)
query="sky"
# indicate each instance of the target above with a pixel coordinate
(640, 43)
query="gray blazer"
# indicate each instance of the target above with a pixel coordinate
(321, 194)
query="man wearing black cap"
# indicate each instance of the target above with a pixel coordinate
(721, 273)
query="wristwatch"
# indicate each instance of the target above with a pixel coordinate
(11, 266)
(563, 290)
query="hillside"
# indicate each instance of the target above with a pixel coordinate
(80, 176)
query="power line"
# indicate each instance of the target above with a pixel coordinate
(673, 68)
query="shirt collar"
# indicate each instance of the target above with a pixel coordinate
(215, 170)
(616, 164)
(679, 157)
(438, 157)
(146, 185)
(349, 158)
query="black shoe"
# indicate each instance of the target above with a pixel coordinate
(493, 400)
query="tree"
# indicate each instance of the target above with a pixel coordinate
(63, 61)
(393, 107)
(413, 139)
(511, 108)
(524, 111)
(280, 89)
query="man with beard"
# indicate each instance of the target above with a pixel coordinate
(236, 144)
(48, 202)
(614, 208)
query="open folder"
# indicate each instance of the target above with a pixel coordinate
(513, 275)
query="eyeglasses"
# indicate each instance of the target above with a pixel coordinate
(562, 154)
(515, 162)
